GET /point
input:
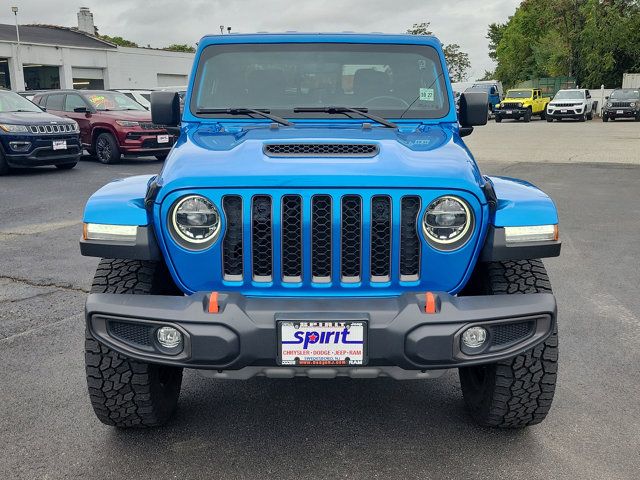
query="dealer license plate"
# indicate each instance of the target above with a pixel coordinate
(509, 112)
(563, 111)
(619, 112)
(59, 144)
(163, 138)
(322, 343)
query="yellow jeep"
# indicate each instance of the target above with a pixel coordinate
(522, 103)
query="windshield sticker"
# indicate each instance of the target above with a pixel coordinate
(426, 94)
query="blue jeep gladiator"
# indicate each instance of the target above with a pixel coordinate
(320, 216)
(30, 137)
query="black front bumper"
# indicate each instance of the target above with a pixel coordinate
(244, 331)
(41, 152)
(511, 112)
(626, 112)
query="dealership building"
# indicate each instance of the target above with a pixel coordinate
(51, 57)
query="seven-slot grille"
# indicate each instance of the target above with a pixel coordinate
(53, 128)
(511, 105)
(337, 229)
(566, 105)
(621, 104)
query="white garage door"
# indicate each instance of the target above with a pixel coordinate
(92, 73)
(171, 80)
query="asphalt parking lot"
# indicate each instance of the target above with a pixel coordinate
(343, 428)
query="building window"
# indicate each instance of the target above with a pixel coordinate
(88, 84)
(5, 80)
(41, 77)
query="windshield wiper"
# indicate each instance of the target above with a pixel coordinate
(344, 110)
(246, 111)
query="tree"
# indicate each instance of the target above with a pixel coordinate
(118, 41)
(458, 62)
(180, 47)
(595, 41)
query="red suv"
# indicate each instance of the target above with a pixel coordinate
(111, 124)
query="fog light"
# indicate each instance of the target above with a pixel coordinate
(169, 337)
(474, 337)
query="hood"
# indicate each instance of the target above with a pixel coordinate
(426, 156)
(567, 102)
(31, 118)
(134, 115)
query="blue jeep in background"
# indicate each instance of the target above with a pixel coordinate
(320, 216)
(30, 137)
(493, 91)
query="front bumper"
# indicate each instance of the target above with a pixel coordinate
(557, 113)
(41, 151)
(146, 143)
(244, 331)
(622, 112)
(511, 112)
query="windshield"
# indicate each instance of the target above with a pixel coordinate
(388, 80)
(112, 101)
(519, 94)
(625, 94)
(12, 102)
(569, 95)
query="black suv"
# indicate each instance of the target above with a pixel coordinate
(30, 137)
(623, 103)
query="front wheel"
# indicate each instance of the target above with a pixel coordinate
(107, 149)
(4, 166)
(498, 118)
(605, 119)
(527, 116)
(66, 166)
(516, 392)
(549, 119)
(125, 392)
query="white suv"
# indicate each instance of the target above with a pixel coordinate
(574, 103)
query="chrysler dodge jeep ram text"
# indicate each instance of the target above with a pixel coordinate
(320, 216)
(111, 124)
(30, 137)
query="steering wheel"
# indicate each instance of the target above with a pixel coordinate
(386, 97)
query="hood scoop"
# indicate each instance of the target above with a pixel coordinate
(321, 150)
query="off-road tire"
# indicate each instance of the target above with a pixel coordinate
(66, 166)
(605, 119)
(516, 392)
(498, 119)
(543, 114)
(106, 148)
(4, 166)
(527, 116)
(125, 392)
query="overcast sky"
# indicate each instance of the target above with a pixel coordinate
(163, 22)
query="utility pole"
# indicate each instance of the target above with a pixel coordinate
(18, 61)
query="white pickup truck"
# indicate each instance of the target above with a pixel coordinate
(574, 103)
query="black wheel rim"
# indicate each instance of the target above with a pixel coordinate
(103, 150)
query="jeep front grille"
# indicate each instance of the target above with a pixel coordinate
(511, 105)
(620, 104)
(343, 239)
(53, 128)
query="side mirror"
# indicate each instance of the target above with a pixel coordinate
(165, 108)
(81, 110)
(473, 111)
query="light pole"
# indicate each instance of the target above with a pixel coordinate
(18, 63)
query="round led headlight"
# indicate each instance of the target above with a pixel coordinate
(447, 223)
(195, 222)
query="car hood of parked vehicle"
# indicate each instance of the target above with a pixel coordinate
(31, 118)
(133, 115)
(568, 101)
(425, 156)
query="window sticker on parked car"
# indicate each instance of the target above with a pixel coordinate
(426, 94)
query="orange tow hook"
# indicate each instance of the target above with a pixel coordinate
(213, 303)
(430, 303)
